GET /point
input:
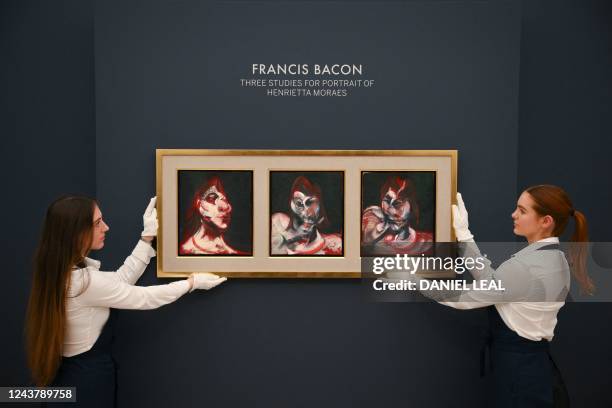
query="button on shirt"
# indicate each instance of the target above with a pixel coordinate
(92, 292)
(536, 283)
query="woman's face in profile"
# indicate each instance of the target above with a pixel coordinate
(99, 230)
(527, 222)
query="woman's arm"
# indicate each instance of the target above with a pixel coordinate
(135, 264)
(106, 290)
(511, 282)
(512, 275)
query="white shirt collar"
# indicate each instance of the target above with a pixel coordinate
(538, 244)
(550, 239)
(92, 262)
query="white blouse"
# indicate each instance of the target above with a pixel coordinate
(92, 292)
(536, 284)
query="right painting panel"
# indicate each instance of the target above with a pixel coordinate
(398, 212)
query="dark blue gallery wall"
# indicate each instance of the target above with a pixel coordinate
(167, 76)
(565, 131)
(47, 138)
(565, 119)
(47, 111)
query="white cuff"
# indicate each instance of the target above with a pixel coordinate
(144, 251)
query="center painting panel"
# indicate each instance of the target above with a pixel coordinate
(307, 213)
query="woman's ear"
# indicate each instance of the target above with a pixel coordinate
(547, 221)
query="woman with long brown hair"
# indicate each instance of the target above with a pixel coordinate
(523, 314)
(72, 303)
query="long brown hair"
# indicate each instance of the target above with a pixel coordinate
(66, 238)
(554, 201)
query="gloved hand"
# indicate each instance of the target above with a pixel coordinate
(149, 220)
(205, 281)
(460, 221)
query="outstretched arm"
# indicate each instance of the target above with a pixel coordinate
(135, 264)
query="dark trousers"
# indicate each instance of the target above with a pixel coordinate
(93, 373)
(522, 372)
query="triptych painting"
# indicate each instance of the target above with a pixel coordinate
(273, 213)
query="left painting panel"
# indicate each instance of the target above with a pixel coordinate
(215, 216)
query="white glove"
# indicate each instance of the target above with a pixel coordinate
(460, 221)
(149, 219)
(206, 281)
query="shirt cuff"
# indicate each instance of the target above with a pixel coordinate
(143, 251)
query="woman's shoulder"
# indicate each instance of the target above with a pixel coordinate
(536, 264)
(543, 257)
(89, 280)
(79, 280)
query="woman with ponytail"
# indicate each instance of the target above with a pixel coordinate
(72, 303)
(523, 315)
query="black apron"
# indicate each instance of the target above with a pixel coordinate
(522, 373)
(93, 373)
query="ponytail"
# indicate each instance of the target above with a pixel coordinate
(578, 254)
(554, 201)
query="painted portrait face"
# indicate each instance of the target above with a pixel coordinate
(215, 208)
(396, 209)
(306, 209)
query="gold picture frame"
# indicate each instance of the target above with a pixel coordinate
(262, 163)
